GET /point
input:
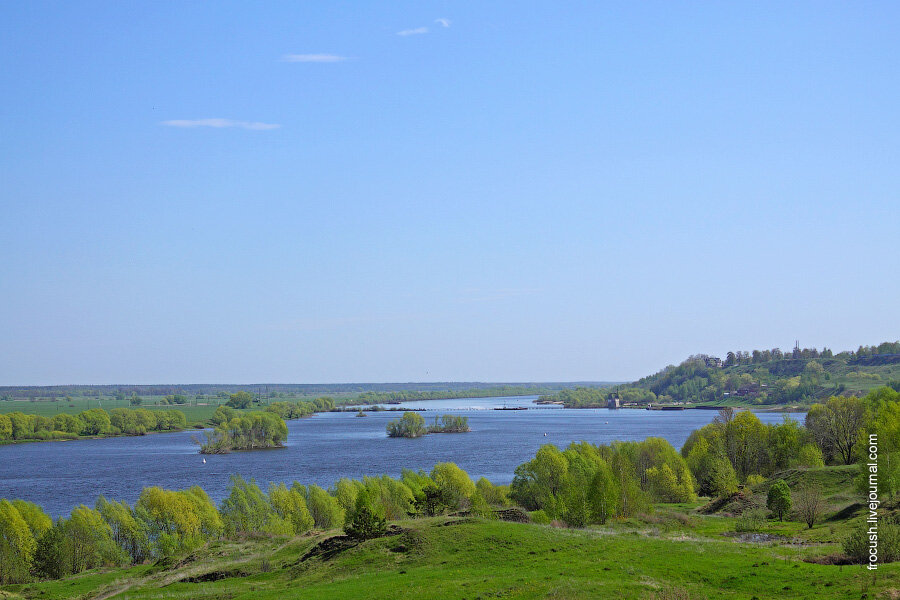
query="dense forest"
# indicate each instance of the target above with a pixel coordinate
(760, 377)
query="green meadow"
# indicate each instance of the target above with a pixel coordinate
(466, 558)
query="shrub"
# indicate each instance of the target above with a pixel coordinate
(365, 521)
(751, 520)
(856, 545)
(539, 517)
(754, 480)
(779, 499)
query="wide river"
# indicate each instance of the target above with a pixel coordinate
(325, 447)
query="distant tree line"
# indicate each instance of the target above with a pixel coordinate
(410, 395)
(802, 376)
(94, 422)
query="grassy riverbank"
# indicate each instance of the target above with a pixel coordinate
(446, 557)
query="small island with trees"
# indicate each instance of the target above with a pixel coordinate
(251, 431)
(412, 425)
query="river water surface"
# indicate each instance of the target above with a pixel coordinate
(325, 447)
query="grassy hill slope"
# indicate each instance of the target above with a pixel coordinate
(447, 557)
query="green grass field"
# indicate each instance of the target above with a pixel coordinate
(465, 558)
(194, 413)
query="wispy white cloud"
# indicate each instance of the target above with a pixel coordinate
(313, 58)
(443, 22)
(220, 123)
(416, 31)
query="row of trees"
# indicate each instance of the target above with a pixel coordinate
(591, 484)
(165, 523)
(409, 395)
(93, 422)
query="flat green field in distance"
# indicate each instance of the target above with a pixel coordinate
(464, 558)
(194, 413)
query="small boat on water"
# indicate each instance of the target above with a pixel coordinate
(204, 461)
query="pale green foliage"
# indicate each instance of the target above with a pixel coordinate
(345, 490)
(177, 521)
(393, 499)
(68, 423)
(754, 480)
(480, 507)
(325, 510)
(96, 421)
(495, 495)
(17, 544)
(91, 540)
(37, 520)
(247, 510)
(454, 482)
(127, 531)
(290, 505)
(809, 456)
(410, 425)
(5, 428)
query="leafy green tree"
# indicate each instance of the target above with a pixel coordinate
(537, 482)
(37, 520)
(171, 519)
(480, 507)
(454, 482)
(290, 505)
(22, 425)
(410, 425)
(391, 497)
(68, 423)
(96, 421)
(91, 540)
(365, 521)
(126, 531)
(809, 456)
(17, 545)
(223, 414)
(5, 428)
(495, 495)
(53, 555)
(345, 491)
(778, 499)
(324, 508)
(836, 425)
(247, 510)
(240, 400)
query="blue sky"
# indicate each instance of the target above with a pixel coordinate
(422, 191)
